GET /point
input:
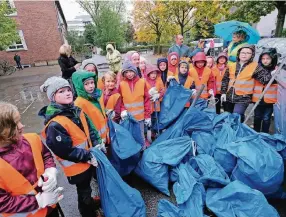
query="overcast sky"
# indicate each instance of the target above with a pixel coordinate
(72, 9)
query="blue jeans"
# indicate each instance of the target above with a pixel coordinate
(262, 118)
(238, 108)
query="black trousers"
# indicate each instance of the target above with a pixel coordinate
(19, 66)
(218, 105)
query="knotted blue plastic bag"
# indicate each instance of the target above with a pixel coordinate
(173, 103)
(125, 151)
(154, 164)
(117, 198)
(238, 200)
(211, 173)
(258, 164)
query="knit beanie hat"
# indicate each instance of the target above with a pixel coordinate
(87, 79)
(128, 66)
(52, 85)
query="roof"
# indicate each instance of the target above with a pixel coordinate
(61, 12)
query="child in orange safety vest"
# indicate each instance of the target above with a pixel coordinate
(69, 133)
(156, 90)
(173, 62)
(184, 78)
(112, 98)
(218, 71)
(24, 163)
(135, 97)
(263, 112)
(202, 75)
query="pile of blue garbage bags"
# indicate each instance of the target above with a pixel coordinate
(212, 163)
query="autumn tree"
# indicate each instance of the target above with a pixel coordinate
(153, 23)
(8, 26)
(182, 14)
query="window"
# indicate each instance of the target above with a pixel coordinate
(11, 5)
(20, 44)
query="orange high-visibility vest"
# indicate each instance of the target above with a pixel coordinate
(80, 139)
(170, 73)
(187, 85)
(270, 95)
(218, 77)
(100, 84)
(159, 86)
(112, 101)
(98, 118)
(204, 80)
(134, 99)
(16, 184)
(243, 83)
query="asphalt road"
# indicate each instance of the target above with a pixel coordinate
(22, 89)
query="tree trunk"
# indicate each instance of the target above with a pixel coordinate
(157, 47)
(182, 30)
(281, 6)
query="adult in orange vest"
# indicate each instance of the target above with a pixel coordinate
(263, 112)
(202, 75)
(156, 90)
(90, 66)
(24, 160)
(112, 98)
(238, 81)
(135, 96)
(90, 100)
(184, 78)
(173, 62)
(219, 71)
(69, 133)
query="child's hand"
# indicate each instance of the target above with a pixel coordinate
(124, 115)
(155, 97)
(148, 122)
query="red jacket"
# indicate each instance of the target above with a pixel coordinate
(117, 107)
(20, 157)
(147, 108)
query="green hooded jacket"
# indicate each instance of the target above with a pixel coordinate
(78, 78)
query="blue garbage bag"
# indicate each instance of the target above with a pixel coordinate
(125, 151)
(133, 126)
(211, 173)
(154, 164)
(117, 198)
(190, 194)
(237, 199)
(167, 209)
(278, 141)
(192, 120)
(205, 142)
(258, 164)
(173, 103)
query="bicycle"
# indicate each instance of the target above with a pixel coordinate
(6, 68)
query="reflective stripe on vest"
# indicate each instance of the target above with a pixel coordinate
(204, 80)
(235, 50)
(134, 99)
(80, 139)
(159, 87)
(16, 184)
(243, 83)
(112, 101)
(97, 117)
(270, 95)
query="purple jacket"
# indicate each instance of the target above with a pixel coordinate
(20, 157)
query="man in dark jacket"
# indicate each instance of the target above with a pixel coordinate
(67, 63)
(238, 103)
(17, 59)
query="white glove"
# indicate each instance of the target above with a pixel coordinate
(45, 199)
(155, 97)
(152, 91)
(101, 146)
(148, 122)
(223, 98)
(92, 160)
(170, 78)
(110, 113)
(50, 176)
(124, 115)
(194, 92)
(273, 72)
(211, 92)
